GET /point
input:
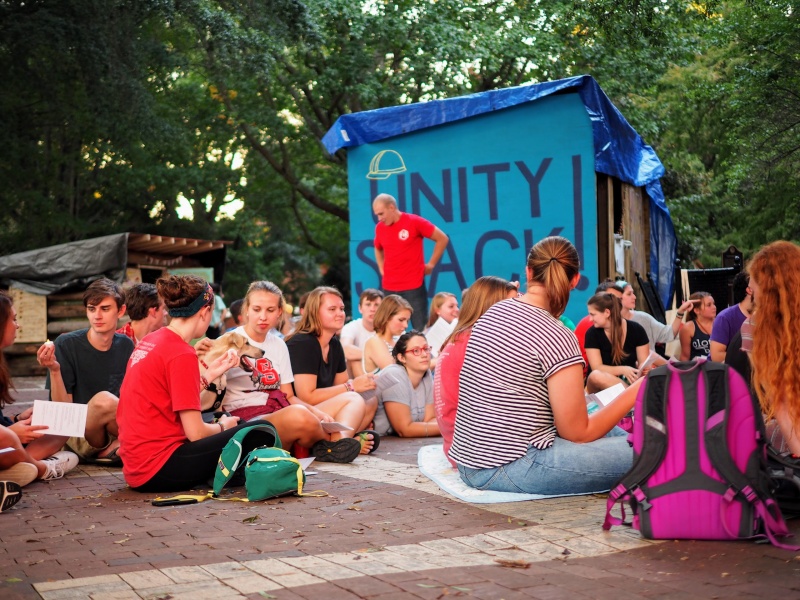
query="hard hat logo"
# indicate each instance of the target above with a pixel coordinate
(385, 164)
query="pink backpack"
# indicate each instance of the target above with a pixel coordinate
(699, 469)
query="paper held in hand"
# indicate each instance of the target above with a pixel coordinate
(650, 361)
(604, 397)
(61, 418)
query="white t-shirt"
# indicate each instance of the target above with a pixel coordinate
(272, 370)
(355, 334)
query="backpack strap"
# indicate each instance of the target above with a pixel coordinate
(654, 445)
(718, 401)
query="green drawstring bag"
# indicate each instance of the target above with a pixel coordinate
(269, 471)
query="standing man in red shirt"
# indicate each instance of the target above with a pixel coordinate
(400, 255)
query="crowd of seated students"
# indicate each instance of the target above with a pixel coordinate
(525, 429)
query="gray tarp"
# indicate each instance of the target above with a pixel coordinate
(66, 267)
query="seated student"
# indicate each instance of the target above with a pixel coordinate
(526, 428)
(585, 324)
(87, 367)
(266, 390)
(485, 292)
(657, 332)
(729, 321)
(696, 333)
(164, 443)
(36, 453)
(615, 347)
(319, 366)
(146, 311)
(444, 305)
(405, 390)
(391, 321)
(775, 353)
(235, 318)
(356, 333)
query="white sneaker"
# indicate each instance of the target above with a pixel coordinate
(59, 464)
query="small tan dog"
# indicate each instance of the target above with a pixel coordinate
(229, 342)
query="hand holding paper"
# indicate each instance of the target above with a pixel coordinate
(61, 418)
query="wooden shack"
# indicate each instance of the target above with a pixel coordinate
(498, 171)
(47, 284)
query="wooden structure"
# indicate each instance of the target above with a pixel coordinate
(148, 257)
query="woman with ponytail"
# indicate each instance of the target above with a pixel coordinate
(522, 423)
(615, 347)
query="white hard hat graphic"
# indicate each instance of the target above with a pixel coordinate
(384, 164)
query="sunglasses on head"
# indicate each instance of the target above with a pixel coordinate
(621, 284)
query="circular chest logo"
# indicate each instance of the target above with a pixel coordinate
(403, 235)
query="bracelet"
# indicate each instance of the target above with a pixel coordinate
(426, 430)
(680, 315)
(221, 427)
(348, 385)
(204, 383)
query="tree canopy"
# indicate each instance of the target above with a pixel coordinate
(166, 116)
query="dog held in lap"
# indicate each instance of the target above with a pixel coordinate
(211, 398)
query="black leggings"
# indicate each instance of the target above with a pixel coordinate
(195, 463)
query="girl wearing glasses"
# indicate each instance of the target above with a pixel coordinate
(405, 390)
(522, 424)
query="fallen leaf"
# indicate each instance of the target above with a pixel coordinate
(514, 564)
(252, 519)
(122, 541)
(13, 580)
(725, 574)
(427, 585)
(353, 508)
(462, 589)
(684, 558)
(322, 526)
(566, 552)
(358, 531)
(266, 595)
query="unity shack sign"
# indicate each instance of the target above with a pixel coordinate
(498, 171)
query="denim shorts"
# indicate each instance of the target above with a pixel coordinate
(563, 468)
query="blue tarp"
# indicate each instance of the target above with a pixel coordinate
(619, 151)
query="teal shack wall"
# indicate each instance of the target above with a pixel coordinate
(495, 183)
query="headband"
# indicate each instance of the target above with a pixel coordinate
(195, 305)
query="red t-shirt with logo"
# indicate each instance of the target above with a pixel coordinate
(403, 254)
(163, 378)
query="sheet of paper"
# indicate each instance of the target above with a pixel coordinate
(607, 395)
(438, 333)
(305, 462)
(61, 418)
(650, 360)
(333, 427)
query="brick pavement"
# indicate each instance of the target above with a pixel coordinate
(384, 532)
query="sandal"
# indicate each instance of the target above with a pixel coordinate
(361, 436)
(345, 450)
(10, 494)
(112, 459)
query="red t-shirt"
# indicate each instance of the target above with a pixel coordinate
(403, 254)
(445, 388)
(162, 378)
(584, 325)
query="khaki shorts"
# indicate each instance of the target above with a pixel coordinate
(84, 449)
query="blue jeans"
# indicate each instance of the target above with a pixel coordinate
(563, 468)
(418, 299)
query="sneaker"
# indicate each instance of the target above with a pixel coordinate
(344, 450)
(59, 464)
(10, 494)
(21, 473)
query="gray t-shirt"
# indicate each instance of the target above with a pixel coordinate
(657, 332)
(393, 385)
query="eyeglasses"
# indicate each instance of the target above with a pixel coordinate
(419, 350)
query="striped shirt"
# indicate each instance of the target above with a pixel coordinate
(503, 404)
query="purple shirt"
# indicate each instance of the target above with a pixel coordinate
(727, 324)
